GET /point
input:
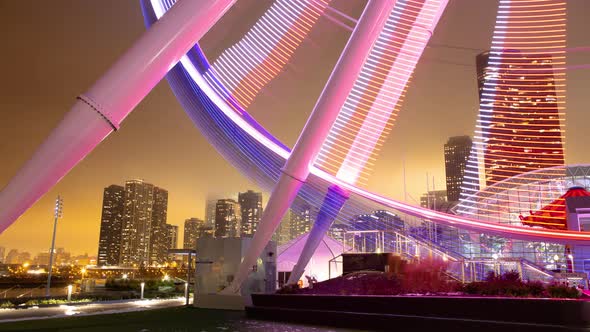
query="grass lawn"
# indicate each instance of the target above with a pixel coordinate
(178, 319)
(170, 319)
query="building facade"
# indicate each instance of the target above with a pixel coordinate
(457, 151)
(193, 230)
(137, 219)
(210, 207)
(111, 222)
(283, 233)
(159, 242)
(251, 211)
(300, 220)
(227, 218)
(520, 126)
(434, 200)
(172, 234)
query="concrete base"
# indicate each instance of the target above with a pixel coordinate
(219, 301)
(424, 313)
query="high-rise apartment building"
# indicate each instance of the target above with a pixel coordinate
(520, 126)
(227, 218)
(111, 222)
(172, 234)
(193, 230)
(159, 244)
(137, 219)
(457, 151)
(251, 211)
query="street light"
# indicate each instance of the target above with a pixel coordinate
(188, 252)
(124, 276)
(70, 293)
(571, 257)
(57, 213)
(556, 260)
(496, 266)
(142, 285)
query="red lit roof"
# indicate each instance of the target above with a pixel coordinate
(553, 216)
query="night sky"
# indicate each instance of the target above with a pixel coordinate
(54, 50)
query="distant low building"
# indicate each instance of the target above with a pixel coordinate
(16, 257)
(435, 200)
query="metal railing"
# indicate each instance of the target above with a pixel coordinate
(458, 267)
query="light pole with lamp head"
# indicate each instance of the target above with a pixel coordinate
(571, 258)
(58, 213)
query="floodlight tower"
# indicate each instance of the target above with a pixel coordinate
(57, 213)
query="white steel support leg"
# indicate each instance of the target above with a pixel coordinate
(333, 203)
(102, 108)
(371, 129)
(315, 131)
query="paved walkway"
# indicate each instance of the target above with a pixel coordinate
(95, 308)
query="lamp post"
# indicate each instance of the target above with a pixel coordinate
(190, 253)
(69, 293)
(571, 258)
(496, 267)
(556, 260)
(56, 214)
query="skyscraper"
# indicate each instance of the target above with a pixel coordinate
(158, 228)
(137, 219)
(457, 151)
(227, 218)
(520, 125)
(172, 234)
(193, 229)
(251, 211)
(109, 243)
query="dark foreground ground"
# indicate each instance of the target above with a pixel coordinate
(178, 319)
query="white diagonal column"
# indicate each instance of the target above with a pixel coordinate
(102, 108)
(411, 43)
(315, 131)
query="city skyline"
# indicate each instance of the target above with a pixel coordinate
(79, 227)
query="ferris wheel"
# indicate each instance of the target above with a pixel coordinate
(351, 119)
